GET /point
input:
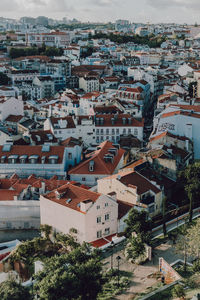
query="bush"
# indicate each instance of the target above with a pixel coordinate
(196, 266)
(178, 291)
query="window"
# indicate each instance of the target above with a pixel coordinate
(83, 178)
(117, 131)
(107, 217)
(107, 230)
(101, 131)
(99, 234)
(69, 155)
(96, 178)
(98, 220)
(97, 131)
(129, 130)
(106, 204)
(107, 131)
(135, 131)
(98, 206)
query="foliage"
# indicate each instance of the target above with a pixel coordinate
(190, 178)
(4, 80)
(46, 230)
(135, 248)
(31, 51)
(11, 290)
(192, 89)
(138, 222)
(110, 286)
(196, 265)
(193, 235)
(182, 243)
(70, 276)
(152, 42)
(178, 291)
(67, 241)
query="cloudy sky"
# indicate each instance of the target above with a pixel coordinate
(181, 11)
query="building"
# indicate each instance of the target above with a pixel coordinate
(105, 161)
(11, 106)
(46, 86)
(133, 188)
(52, 39)
(180, 120)
(90, 215)
(62, 128)
(89, 84)
(45, 161)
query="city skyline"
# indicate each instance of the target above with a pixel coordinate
(179, 11)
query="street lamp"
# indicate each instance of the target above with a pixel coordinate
(118, 259)
(112, 245)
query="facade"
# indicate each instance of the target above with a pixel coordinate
(180, 120)
(132, 188)
(106, 160)
(89, 84)
(45, 161)
(52, 39)
(90, 214)
(11, 106)
(46, 86)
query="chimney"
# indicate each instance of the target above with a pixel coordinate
(85, 205)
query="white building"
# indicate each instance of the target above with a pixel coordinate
(181, 120)
(89, 83)
(11, 106)
(91, 215)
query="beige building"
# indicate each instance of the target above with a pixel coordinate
(134, 189)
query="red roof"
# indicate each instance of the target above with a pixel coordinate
(100, 165)
(76, 195)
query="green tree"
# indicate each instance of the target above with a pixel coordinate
(77, 275)
(164, 215)
(190, 179)
(4, 79)
(46, 230)
(138, 222)
(135, 247)
(11, 290)
(178, 291)
(182, 243)
(193, 234)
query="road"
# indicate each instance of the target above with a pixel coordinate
(173, 224)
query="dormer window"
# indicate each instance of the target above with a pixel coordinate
(53, 159)
(3, 158)
(12, 159)
(33, 159)
(91, 166)
(43, 159)
(23, 159)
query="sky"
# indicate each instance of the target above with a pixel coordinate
(153, 11)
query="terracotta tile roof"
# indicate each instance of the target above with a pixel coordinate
(166, 133)
(8, 195)
(33, 150)
(76, 195)
(69, 122)
(100, 165)
(119, 121)
(13, 118)
(123, 208)
(71, 142)
(103, 241)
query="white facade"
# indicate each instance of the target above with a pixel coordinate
(18, 214)
(63, 218)
(182, 124)
(89, 84)
(11, 106)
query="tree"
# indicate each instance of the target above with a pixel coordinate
(138, 222)
(46, 230)
(71, 276)
(135, 247)
(190, 179)
(11, 290)
(178, 291)
(4, 79)
(193, 234)
(164, 215)
(182, 244)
